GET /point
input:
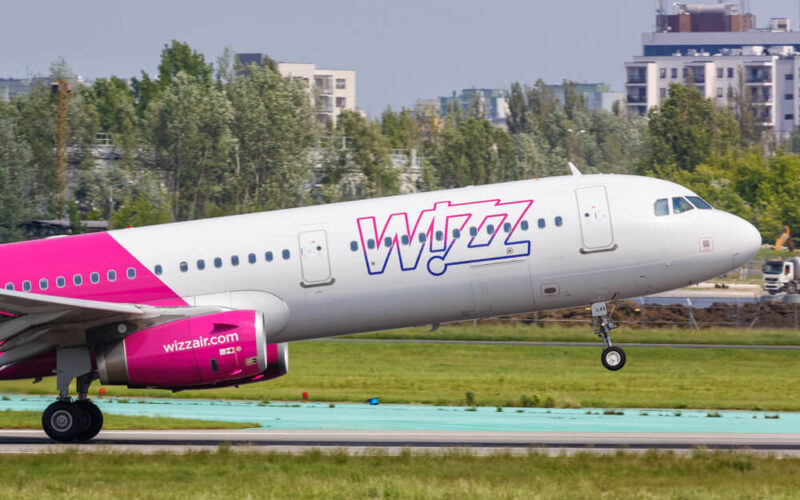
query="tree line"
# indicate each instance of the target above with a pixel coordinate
(199, 140)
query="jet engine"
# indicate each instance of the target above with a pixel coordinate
(213, 350)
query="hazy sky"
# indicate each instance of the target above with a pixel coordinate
(401, 50)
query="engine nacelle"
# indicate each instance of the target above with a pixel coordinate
(202, 351)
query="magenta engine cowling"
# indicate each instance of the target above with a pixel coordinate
(203, 351)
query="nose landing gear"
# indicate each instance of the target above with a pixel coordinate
(613, 357)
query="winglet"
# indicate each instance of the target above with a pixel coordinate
(573, 168)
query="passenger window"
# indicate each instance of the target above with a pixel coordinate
(26, 286)
(439, 236)
(699, 202)
(94, 278)
(661, 207)
(473, 231)
(370, 243)
(353, 246)
(387, 242)
(456, 233)
(9, 286)
(77, 280)
(285, 254)
(251, 258)
(524, 225)
(131, 273)
(201, 264)
(507, 227)
(268, 256)
(680, 205)
(235, 259)
(404, 239)
(490, 229)
(43, 284)
(217, 262)
(541, 223)
(422, 237)
(60, 282)
(184, 267)
(559, 221)
(112, 275)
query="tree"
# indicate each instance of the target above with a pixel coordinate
(368, 151)
(18, 198)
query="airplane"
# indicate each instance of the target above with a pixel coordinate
(213, 303)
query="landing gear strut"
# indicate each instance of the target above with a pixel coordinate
(67, 420)
(613, 357)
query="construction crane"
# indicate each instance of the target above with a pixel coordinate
(61, 88)
(785, 239)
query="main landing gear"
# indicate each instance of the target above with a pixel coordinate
(613, 357)
(67, 420)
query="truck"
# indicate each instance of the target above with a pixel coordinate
(782, 276)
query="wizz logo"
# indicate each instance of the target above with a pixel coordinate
(446, 235)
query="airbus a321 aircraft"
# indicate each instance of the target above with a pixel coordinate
(213, 303)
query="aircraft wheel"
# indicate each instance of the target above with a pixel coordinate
(613, 358)
(62, 421)
(93, 420)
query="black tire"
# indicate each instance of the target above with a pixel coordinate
(94, 420)
(62, 421)
(613, 358)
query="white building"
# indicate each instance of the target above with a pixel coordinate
(336, 87)
(768, 60)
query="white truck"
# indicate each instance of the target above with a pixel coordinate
(782, 276)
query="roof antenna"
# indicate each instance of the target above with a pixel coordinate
(573, 168)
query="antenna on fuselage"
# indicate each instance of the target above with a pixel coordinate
(573, 168)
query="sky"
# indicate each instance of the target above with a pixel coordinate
(401, 50)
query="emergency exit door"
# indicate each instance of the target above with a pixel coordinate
(597, 233)
(314, 258)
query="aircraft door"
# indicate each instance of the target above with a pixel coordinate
(597, 233)
(314, 258)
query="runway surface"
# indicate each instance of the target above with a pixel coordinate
(566, 344)
(392, 442)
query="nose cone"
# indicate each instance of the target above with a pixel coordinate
(745, 242)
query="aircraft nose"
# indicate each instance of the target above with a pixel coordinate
(745, 242)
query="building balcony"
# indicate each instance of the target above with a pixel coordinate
(758, 79)
(637, 99)
(636, 80)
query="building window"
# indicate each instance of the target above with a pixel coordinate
(662, 72)
(720, 72)
(730, 72)
(662, 92)
(341, 102)
(341, 84)
(788, 116)
(719, 92)
(789, 97)
(674, 73)
(789, 76)
(685, 72)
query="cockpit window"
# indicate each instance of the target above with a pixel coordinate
(680, 205)
(699, 202)
(661, 207)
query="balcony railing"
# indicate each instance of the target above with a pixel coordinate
(635, 99)
(636, 79)
(759, 78)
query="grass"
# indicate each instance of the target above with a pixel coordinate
(553, 333)
(340, 476)
(509, 375)
(10, 419)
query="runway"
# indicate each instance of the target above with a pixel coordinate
(393, 442)
(568, 344)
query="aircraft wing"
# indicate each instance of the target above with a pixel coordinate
(35, 323)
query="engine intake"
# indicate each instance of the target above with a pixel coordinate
(202, 351)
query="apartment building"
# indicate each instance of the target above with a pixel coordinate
(336, 87)
(494, 103)
(689, 49)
